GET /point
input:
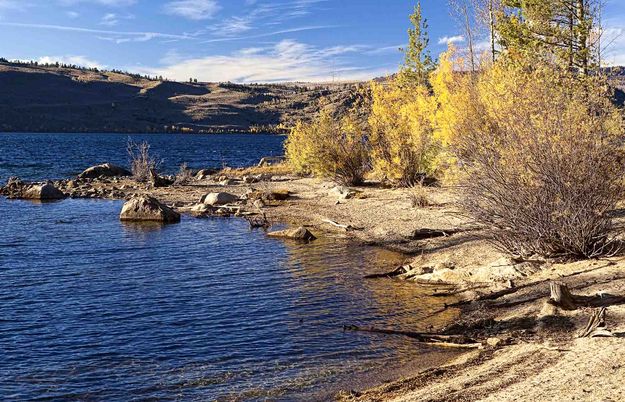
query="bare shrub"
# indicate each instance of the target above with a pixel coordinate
(419, 197)
(184, 175)
(542, 166)
(142, 164)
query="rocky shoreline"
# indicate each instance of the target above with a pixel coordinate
(523, 340)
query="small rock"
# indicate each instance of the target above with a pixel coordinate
(494, 342)
(270, 160)
(228, 182)
(342, 192)
(146, 208)
(300, 233)
(219, 199)
(251, 179)
(277, 195)
(205, 174)
(104, 170)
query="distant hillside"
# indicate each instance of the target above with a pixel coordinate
(69, 99)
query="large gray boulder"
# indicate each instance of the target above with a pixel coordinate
(146, 208)
(300, 233)
(219, 199)
(104, 170)
(44, 192)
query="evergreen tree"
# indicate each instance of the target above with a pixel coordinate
(559, 29)
(418, 63)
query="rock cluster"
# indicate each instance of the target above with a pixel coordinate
(17, 189)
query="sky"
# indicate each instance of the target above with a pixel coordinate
(237, 40)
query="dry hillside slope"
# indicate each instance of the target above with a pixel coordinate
(62, 99)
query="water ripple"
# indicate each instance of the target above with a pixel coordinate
(202, 310)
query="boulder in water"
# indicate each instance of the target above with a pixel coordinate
(219, 199)
(44, 192)
(300, 233)
(104, 170)
(146, 208)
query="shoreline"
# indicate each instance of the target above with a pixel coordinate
(501, 301)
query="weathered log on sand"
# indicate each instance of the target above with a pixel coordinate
(596, 326)
(454, 341)
(562, 297)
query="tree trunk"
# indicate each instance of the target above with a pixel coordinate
(491, 17)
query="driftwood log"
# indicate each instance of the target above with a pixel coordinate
(454, 341)
(562, 297)
(596, 326)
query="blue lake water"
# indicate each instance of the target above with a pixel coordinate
(39, 156)
(95, 309)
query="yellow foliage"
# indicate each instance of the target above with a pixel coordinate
(403, 144)
(329, 148)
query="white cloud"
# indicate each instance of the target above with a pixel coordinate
(287, 60)
(451, 39)
(192, 9)
(121, 36)
(108, 3)
(109, 19)
(73, 60)
(72, 14)
(613, 44)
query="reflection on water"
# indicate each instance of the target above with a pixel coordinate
(205, 309)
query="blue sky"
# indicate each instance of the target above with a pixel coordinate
(235, 40)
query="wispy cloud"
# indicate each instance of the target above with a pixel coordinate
(450, 39)
(72, 60)
(108, 3)
(385, 50)
(273, 33)
(259, 16)
(109, 19)
(112, 19)
(72, 14)
(123, 35)
(287, 60)
(192, 9)
(613, 42)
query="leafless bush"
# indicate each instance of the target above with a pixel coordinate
(184, 175)
(545, 171)
(419, 197)
(142, 164)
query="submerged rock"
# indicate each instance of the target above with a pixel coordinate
(146, 208)
(300, 233)
(45, 191)
(219, 199)
(104, 170)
